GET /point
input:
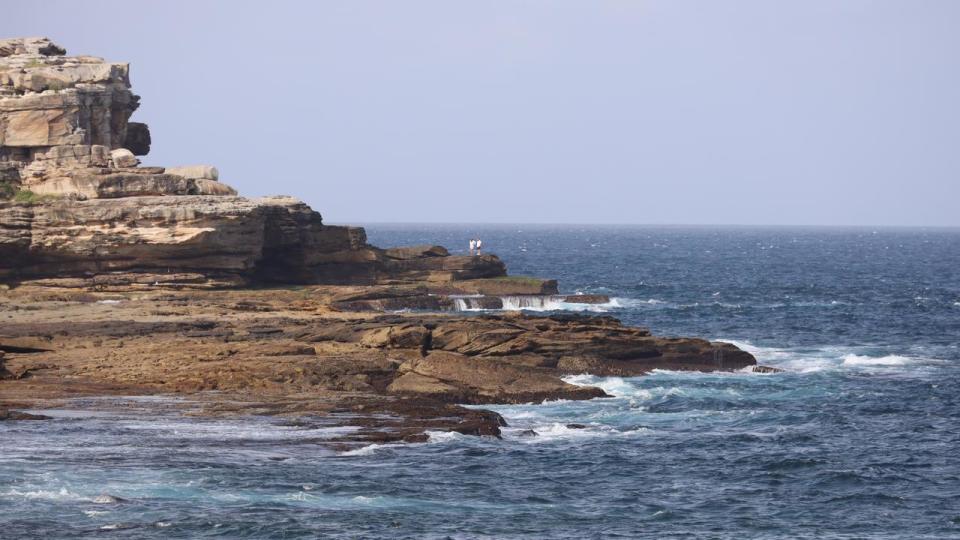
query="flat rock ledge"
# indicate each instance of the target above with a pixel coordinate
(284, 351)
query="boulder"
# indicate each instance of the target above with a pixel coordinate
(122, 158)
(196, 172)
(138, 138)
(212, 187)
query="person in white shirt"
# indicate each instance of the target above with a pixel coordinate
(479, 243)
(473, 245)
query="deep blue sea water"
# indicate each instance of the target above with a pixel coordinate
(859, 439)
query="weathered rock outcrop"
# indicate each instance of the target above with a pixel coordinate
(106, 254)
(83, 213)
(227, 240)
(282, 351)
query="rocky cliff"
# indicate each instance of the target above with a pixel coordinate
(80, 211)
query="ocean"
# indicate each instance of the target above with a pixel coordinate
(859, 438)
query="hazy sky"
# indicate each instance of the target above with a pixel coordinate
(745, 112)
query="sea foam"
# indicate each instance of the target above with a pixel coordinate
(889, 360)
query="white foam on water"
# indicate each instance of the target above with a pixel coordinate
(535, 303)
(550, 303)
(615, 386)
(619, 387)
(95, 513)
(553, 431)
(236, 431)
(63, 494)
(443, 436)
(626, 303)
(826, 358)
(300, 497)
(889, 360)
(368, 450)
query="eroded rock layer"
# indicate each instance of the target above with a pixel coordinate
(82, 212)
(102, 262)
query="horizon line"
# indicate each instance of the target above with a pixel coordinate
(676, 225)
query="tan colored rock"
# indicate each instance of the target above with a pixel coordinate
(415, 383)
(458, 378)
(212, 187)
(73, 156)
(48, 100)
(113, 185)
(30, 45)
(123, 226)
(500, 286)
(122, 158)
(196, 172)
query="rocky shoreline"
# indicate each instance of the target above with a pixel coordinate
(118, 280)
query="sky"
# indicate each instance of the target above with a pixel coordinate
(603, 111)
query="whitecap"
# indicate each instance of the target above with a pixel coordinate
(537, 303)
(559, 431)
(368, 450)
(95, 513)
(889, 360)
(42, 494)
(443, 436)
(621, 302)
(614, 386)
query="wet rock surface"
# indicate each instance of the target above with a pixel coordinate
(284, 351)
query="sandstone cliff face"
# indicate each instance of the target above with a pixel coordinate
(48, 99)
(199, 241)
(65, 129)
(81, 212)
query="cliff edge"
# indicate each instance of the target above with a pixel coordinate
(75, 202)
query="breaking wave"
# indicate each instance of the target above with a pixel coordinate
(889, 360)
(534, 303)
(826, 358)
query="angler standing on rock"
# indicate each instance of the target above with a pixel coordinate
(479, 243)
(473, 245)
